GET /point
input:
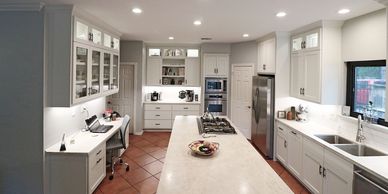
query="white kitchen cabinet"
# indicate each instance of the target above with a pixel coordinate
(281, 144)
(315, 64)
(193, 71)
(216, 65)
(324, 172)
(154, 65)
(295, 154)
(75, 60)
(267, 57)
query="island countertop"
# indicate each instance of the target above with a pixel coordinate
(237, 168)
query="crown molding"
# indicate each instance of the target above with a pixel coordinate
(21, 6)
(384, 2)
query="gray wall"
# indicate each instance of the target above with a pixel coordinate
(364, 37)
(215, 48)
(134, 51)
(21, 100)
(244, 52)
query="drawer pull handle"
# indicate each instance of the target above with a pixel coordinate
(98, 152)
(293, 132)
(99, 161)
(157, 123)
(281, 129)
(186, 108)
(157, 115)
(157, 107)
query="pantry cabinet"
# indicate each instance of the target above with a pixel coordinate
(79, 67)
(216, 65)
(267, 57)
(173, 66)
(316, 64)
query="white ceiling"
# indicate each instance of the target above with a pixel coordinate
(222, 20)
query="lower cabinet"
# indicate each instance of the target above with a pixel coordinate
(162, 116)
(76, 173)
(324, 171)
(319, 169)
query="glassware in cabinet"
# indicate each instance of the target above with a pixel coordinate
(81, 68)
(106, 77)
(115, 78)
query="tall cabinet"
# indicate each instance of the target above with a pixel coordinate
(216, 65)
(83, 59)
(316, 64)
(267, 56)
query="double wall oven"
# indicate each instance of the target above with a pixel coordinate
(216, 96)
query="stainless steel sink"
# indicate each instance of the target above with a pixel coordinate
(334, 139)
(360, 150)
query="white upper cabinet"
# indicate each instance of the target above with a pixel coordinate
(173, 66)
(216, 65)
(81, 68)
(267, 57)
(315, 64)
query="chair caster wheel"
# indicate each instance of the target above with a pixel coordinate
(110, 177)
(127, 169)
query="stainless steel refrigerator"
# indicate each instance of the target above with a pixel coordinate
(263, 92)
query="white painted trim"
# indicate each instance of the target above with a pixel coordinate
(21, 6)
(134, 94)
(384, 2)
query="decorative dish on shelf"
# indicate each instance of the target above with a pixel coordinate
(204, 148)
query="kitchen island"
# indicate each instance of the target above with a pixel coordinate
(237, 168)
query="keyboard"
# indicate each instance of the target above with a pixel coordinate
(102, 129)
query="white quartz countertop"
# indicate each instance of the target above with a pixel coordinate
(377, 165)
(171, 102)
(85, 142)
(236, 168)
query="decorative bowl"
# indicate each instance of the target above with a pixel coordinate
(204, 148)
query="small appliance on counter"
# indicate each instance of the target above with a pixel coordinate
(155, 96)
(188, 94)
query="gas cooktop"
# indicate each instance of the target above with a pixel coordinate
(215, 126)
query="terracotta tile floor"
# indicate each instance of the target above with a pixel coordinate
(145, 156)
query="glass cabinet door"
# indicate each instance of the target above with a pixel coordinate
(96, 64)
(106, 81)
(82, 31)
(107, 41)
(81, 68)
(96, 36)
(297, 44)
(115, 78)
(312, 40)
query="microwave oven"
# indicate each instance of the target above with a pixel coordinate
(215, 85)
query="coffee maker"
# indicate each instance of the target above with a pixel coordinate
(155, 96)
(189, 95)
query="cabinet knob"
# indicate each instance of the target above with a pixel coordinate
(285, 144)
(264, 67)
(320, 169)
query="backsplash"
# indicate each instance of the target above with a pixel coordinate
(171, 93)
(59, 120)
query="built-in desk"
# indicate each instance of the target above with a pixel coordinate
(82, 167)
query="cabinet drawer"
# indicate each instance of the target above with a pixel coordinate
(184, 113)
(157, 124)
(185, 107)
(97, 173)
(98, 153)
(157, 107)
(155, 115)
(283, 129)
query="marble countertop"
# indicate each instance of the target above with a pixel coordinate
(171, 102)
(236, 168)
(376, 165)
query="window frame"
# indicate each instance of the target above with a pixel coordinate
(350, 84)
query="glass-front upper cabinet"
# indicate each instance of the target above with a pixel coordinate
(154, 52)
(96, 36)
(192, 53)
(96, 68)
(107, 41)
(297, 44)
(312, 40)
(81, 72)
(82, 31)
(116, 44)
(106, 74)
(115, 67)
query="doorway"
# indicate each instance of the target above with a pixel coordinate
(241, 97)
(124, 101)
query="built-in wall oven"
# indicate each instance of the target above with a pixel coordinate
(216, 103)
(215, 85)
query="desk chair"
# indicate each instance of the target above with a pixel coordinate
(114, 144)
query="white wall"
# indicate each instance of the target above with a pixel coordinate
(365, 37)
(21, 100)
(69, 120)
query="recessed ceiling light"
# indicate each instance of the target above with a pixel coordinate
(137, 10)
(171, 38)
(245, 35)
(343, 11)
(197, 22)
(281, 14)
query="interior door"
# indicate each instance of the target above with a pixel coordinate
(242, 97)
(122, 102)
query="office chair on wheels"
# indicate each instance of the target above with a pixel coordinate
(114, 144)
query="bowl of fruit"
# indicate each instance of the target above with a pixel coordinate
(204, 148)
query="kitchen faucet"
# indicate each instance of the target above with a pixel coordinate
(360, 137)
